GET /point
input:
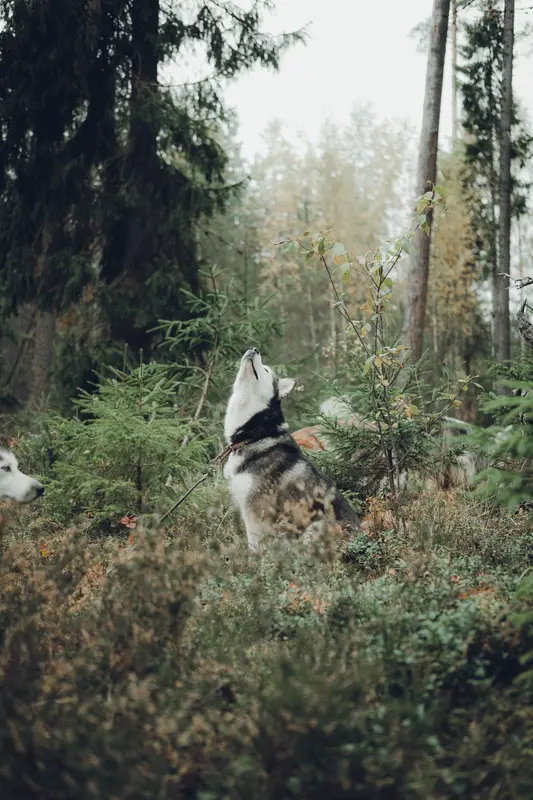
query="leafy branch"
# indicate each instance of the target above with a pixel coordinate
(399, 426)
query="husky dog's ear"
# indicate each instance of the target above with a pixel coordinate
(286, 385)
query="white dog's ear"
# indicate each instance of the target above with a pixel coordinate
(285, 386)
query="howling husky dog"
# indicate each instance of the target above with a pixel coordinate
(272, 482)
(14, 484)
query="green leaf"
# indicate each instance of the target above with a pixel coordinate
(309, 256)
(346, 276)
(338, 249)
(292, 248)
(388, 283)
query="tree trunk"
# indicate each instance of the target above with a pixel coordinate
(492, 235)
(43, 356)
(521, 274)
(454, 73)
(43, 340)
(426, 174)
(502, 326)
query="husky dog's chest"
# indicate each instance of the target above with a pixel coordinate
(271, 481)
(240, 483)
(247, 470)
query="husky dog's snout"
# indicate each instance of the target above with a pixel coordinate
(14, 484)
(251, 353)
(250, 356)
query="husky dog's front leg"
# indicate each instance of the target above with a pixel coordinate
(253, 533)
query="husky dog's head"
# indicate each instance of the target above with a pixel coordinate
(255, 398)
(14, 484)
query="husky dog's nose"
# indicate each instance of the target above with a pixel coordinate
(39, 490)
(253, 351)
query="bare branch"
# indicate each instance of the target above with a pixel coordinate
(520, 283)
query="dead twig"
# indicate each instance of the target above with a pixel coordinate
(520, 283)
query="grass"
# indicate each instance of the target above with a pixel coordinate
(194, 671)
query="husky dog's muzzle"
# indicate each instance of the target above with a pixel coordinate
(249, 356)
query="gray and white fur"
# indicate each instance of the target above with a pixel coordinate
(274, 485)
(14, 484)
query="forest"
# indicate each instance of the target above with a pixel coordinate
(144, 651)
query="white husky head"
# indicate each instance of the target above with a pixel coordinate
(14, 484)
(256, 390)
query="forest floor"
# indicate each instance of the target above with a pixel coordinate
(392, 667)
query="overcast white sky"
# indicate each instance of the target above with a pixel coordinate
(357, 51)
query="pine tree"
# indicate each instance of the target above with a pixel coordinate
(481, 90)
(105, 171)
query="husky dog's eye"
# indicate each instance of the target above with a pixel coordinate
(6, 468)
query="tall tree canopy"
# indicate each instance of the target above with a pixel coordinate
(104, 170)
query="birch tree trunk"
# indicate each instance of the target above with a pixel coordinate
(455, 129)
(500, 299)
(426, 174)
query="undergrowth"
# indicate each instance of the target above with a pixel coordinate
(166, 662)
(185, 669)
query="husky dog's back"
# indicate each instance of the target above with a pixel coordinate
(273, 484)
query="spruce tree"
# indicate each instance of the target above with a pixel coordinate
(105, 171)
(481, 90)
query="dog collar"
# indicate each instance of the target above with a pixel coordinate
(231, 448)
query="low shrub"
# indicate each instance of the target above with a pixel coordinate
(193, 671)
